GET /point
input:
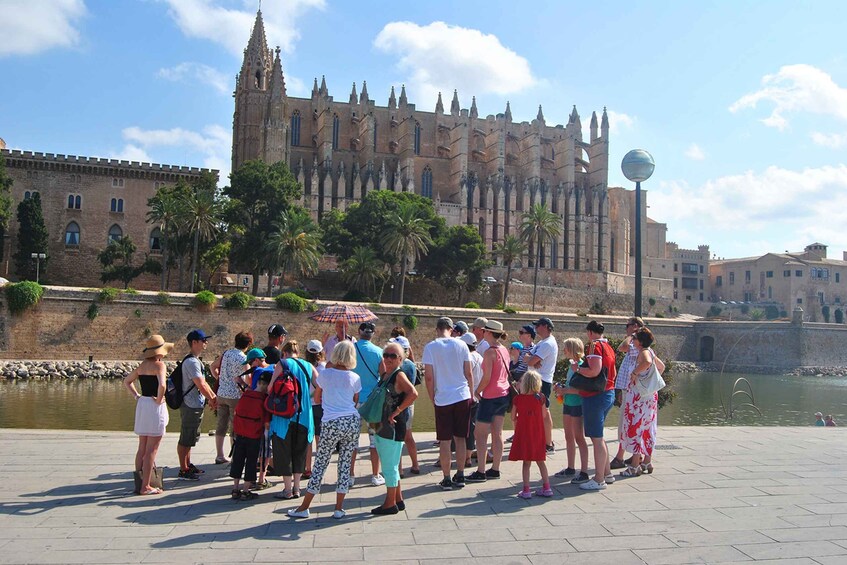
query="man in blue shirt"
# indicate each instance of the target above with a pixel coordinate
(368, 361)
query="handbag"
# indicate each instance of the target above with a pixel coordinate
(155, 479)
(589, 384)
(371, 409)
(650, 382)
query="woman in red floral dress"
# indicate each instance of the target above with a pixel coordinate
(640, 413)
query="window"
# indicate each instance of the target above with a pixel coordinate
(798, 273)
(701, 269)
(426, 182)
(718, 280)
(115, 233)
(820, 298)
(701, 285)
(27, 195)
(770, 293)
(731, 278)
(295, 128)
(799, 301)
(156, 241)
(117, 205)
(374, 135)
(689, 283)
(676, 282)
(769, 274)
(690, 268)
(72, 235)
(838, 277)
(701, 297)
(74, 202)
(675, 267)
(417, 138)
(117, 183)
(746, 277)
(336, 126)
(786, 273)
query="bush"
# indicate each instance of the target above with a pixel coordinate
(137, 312)
(509, 310)
(93, 311)
(651, 302)
(238, 300)
(714, 311)
(659, 315)
(130, 290)
(23, 295)
(108, 294)
(410, 322)
(745, 308)
(825, 313)
(163, 298)
(291, 302)
(756, 314)
(597, 309)
(205, 298)
(472, 305)
(302, 293)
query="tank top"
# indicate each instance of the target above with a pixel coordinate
(498, 386)
(149, 385)
(394, 431)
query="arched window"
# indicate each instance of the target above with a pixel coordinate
(117, 205)
(72, 235)
(115, 233)
(426, 182)
(78, 202)
(295, 128)
(27, 195)
(336, 126)
(417, 138)
(156, 240)
(70, 201)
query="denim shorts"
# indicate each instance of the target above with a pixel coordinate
(594, 410)
(575, 411)
(491, 407)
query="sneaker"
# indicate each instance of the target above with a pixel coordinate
(339, 514)
(593, 485)
(580, 479)
(377, 480)
(294, 513)
(195, 470)
(610, 479)
(617, 464)
(476, 477)
(492, 474)
(458, 481)
(446, 484)
(526, 494)
(187, 476)
(545, 492)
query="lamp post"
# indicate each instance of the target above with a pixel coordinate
(38, 258)
(638, 166)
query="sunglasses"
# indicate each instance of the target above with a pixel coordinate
(390, 356)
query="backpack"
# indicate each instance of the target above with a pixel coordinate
(174, 394)
(249, 416)
(286, 397)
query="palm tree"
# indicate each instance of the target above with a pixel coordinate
(166, 212)
(539, 226)
(363, 270)
(406, 237)
(510, 251)
(294, 245)
(202, 220)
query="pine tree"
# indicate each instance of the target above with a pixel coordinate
(32, 237)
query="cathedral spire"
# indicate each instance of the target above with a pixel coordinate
(403, 100)
(454, 105)
(354, 96)
(258, 59)
(439, 106)
(364, 97)
(323, 90)
(315, 88)
(604, 125)
(508, 115)
(392, 99)
(277, 83)
(540, 115)
(474, 111)
(593, 126)
(258, 44)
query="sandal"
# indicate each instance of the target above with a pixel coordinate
(647, 468)
(248, 495)
(415, 471)
(150, 491)
(263, 485)
(284, 495)
(235, 494)
(631, 472)
(221, 460)
(295, 493)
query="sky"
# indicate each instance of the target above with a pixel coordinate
(743, 105)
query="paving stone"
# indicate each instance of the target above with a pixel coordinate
(705, 554)
(793, 549)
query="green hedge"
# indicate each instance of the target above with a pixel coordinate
(472, 305)
(238, 300)
(410, 321)
(23, 295)
(291, 302)
(205, 298)
(108, 294)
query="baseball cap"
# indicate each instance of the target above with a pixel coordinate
(529, 329)
(314, 346)
(517, 345)
(277, 330)
(461, 327)
(254, 354)
(400, 340)
(468, 338)
(367, 327)
(480, 322)
(444, 323)
(543, 322)
(196, 335)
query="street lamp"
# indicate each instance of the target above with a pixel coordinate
(638, 166)
(38, 258)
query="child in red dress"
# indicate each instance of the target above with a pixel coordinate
(529, 443)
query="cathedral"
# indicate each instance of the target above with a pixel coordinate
(481, 171)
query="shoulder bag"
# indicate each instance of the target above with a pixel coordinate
(371, 409)
(650, 382)
(589, 384)
(513, 392)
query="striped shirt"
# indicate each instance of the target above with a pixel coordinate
(627, 366)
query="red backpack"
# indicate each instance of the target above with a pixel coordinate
(250, 415)
(285, 397)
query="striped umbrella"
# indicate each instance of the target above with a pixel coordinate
(346, 312)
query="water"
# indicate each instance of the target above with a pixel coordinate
(106, 405)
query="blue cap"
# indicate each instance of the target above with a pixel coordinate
(517, 345)
(196, 335)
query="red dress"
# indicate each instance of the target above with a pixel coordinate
(528, 444)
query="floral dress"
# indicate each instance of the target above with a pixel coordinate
(640, 420)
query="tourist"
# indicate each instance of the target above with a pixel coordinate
(151, 414)
(574, 351)
(276, 336)
(447, 372)
(525, 336)
(599, 362)
(460, 329)
(627, 347)
(528, 446)
(329, 342)
(368, 360)
(291, 436)
(411, 371)
(340, 424)
(819, 419)
(476, 373)
(196, 393)
(830, 423)
(315, 356)
(250, 424)
(543, 359)
(478, 329)
(400, 331)
(640, 412)
(400, 393)
(259, 369)
(493, 394)
(228, 369)
(256, 360)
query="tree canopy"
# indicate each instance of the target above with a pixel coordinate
(32, 237)
(117, 261)
(457, 260)
(5, 204)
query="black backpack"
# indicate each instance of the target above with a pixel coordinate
(174, 394)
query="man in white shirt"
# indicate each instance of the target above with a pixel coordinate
(448, 377)
(478, 329)
(543, 359)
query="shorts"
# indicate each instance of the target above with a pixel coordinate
(453, 420)
(189, 430)
(575, 411)
(546, 390)
(289, 454)
(317, 414)
(594, 410)
(489, 408)
(226, 412)
(470, 441)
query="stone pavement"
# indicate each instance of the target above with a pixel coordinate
(718, 495)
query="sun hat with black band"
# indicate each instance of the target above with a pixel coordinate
(156, 345)
(493, 326)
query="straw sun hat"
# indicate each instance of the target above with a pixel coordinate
(156, 345)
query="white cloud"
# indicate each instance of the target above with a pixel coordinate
(796, 88)
(782, 206)
(441, 57)
(209, 19)
(200, 73)
(695, 153)
(32, 26)
(833, 140)
(619, 121)
(132, 152)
